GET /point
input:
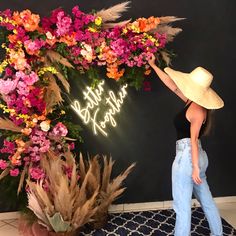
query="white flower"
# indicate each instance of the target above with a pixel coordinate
(45, 125)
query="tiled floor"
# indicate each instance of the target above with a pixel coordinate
(227, 210)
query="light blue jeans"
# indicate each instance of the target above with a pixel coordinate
(183, 187)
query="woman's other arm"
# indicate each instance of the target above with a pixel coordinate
(166, 79)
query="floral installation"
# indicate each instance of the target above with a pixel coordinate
(34, 75)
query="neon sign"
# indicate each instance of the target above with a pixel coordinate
(89, 113)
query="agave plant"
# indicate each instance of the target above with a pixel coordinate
(63, 206)
(109, 189)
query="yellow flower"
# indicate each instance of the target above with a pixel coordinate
(98, 21)
(92, 29)
(51, 69)
(3, 65)
(124, 31)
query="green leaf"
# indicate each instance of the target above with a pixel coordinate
(58, 224)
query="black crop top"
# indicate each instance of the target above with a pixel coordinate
(182, 125)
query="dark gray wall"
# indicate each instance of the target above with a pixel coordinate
(145, 133)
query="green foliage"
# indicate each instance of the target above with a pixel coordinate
(74, 130)
(134, 76)
(62, 48)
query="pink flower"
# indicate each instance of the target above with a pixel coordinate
(60, 130)
(72, 146)
(7, 86)
(76, 11)
(147, 86)
(33, 46)
(63, 24)
(36, 173)
(28, 79)
(14, 172)
(8, 72)
(9, 147)
(3, 164)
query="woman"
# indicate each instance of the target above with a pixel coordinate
(190, 164)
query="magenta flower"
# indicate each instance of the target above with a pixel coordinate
(14, 172)
(72, 146)
(33, 46)
(63, 24)
(36, 173)
(59, 130)
(8, 72)
(9, 147)
(3, 164)
(147, 86)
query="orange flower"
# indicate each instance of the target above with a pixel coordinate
(12, 38)
(26, 131)
(20, 143)
(69, 39)
(51, 40)
(147, 72)
(18, 59)
(146, 25)
(113, 71)
(27, 19)
(15, 159)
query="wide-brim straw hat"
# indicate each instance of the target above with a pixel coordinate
(196, 87)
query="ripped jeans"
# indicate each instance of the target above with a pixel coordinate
(183, 187)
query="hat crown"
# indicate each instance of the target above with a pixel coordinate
(202, 77)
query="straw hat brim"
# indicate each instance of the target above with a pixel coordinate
(207, 98)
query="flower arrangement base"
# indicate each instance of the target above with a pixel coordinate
(35, 229)
(100, 220)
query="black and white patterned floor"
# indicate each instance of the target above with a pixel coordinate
(153, 223)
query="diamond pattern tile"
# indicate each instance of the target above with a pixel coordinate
(153, 223)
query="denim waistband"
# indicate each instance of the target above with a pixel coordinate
(185, 142)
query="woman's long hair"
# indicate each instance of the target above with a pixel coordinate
(209, 123)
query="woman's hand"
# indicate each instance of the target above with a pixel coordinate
(152, 61)
(195, 175)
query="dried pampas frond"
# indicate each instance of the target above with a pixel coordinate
(113, 13)
(99, 176)
(166, 57)
(63, 80)
(82, 168)
(52, 95)
(4, 173)
(165, 28)
(106, 175)
(7, 124)
(34, 206)
(169, 19)
(119, 24)
(170, 31)
(64, 206)
(56, 57)
(22, 179)
(113, 189)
